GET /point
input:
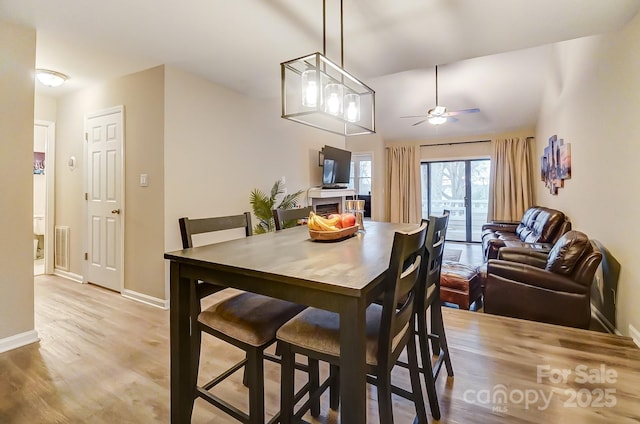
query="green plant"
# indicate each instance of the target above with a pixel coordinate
(263, 205)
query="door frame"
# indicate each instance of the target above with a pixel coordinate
(85, 187)
(467, 195)
(50, 174)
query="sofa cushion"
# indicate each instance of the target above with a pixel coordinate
(567, 252)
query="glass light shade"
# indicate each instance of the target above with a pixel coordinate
(311, 93)
(333, 99)
(328, 113)
(352, 107)
(437, 120)
(50, 78)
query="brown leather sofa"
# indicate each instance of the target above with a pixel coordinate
(539, 228)
(553, 288)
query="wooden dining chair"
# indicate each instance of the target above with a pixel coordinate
(430, 302)
(248, 321)
(285, 218)
(315, 333)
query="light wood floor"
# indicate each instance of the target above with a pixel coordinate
(105, 359)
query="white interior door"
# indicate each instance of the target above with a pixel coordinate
(104, 137)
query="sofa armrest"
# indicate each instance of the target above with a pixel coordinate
(523, 255)
(506, 226)
(533, 276)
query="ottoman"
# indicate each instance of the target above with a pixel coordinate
(460, 284)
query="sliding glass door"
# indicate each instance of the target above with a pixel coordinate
(462, 187)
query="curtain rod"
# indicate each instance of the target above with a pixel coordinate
(462, 142)
(451, 144)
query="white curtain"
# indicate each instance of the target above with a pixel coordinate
(510, 188)
(403, 184)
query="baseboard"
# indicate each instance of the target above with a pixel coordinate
(18, 340)
(635, 335)
(146, 299)
(68, 275)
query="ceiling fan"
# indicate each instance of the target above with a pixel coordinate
(439, 114)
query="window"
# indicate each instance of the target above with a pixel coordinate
(361, 173)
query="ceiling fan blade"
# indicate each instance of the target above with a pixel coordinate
(418, 123)
(463, 111)
(451, 119)
(414, 116)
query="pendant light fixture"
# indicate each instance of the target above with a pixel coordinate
(321, 94)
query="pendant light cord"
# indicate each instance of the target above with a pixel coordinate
(324, 28)
(437, 85)
(324, 32)
(341, 38)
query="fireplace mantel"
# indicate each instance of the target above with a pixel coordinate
(337, 196)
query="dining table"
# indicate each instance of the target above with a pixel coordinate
(342, 276)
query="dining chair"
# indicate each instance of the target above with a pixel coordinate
(285, 218)
(430, 302)
(315, 333)
(248, 321)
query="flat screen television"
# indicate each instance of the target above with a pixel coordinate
(336, 162)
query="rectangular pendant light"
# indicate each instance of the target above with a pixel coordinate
(319, 93)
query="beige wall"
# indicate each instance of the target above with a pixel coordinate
(592, 101)
(220, 145)
(46, 108)
(142, 95)
(17, 62)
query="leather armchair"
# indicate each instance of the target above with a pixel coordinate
(553, 288)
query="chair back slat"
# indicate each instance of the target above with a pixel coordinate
(191, 227)
(400, 285)
(283, 217)
(434, 247)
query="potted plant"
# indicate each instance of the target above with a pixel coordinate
(264, 204)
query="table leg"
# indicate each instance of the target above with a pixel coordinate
(353, 380)
(182, 382)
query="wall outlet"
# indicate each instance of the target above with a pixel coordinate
(635, 335)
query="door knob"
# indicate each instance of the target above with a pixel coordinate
(116, 211)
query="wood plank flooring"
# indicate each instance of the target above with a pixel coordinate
(105, 359)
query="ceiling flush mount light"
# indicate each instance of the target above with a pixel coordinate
(321, 94)
(50, 78)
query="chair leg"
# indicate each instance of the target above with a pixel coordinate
(385, 406)
(416, 387)
(255, 370)
(429, 381)
(245, 375)
(314, 384)
(287, 370)
(438, 323)
(334, 387)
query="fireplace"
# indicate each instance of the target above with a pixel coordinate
(327, 208)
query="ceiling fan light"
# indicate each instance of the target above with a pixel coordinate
(437, 120)
(50, 78)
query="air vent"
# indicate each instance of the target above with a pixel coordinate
(61, 252)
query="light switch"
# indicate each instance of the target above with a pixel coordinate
(144, 180)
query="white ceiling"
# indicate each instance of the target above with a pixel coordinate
(491, 52)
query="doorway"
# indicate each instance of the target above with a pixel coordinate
(462, 187)
(104, 143)
(43, 196)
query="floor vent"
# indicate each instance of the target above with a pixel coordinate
(61, 252)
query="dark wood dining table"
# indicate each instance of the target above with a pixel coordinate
(342, 276)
